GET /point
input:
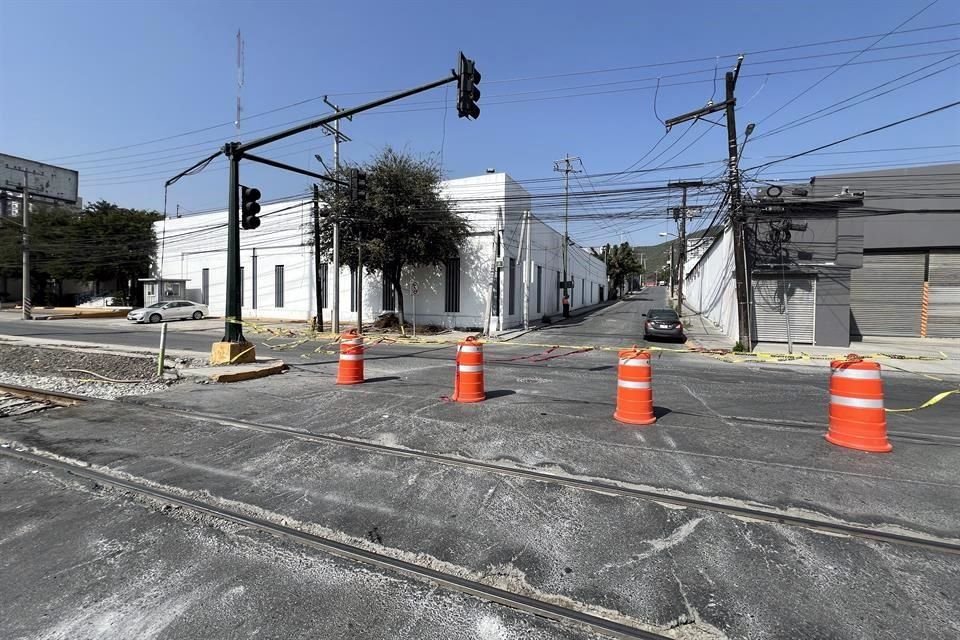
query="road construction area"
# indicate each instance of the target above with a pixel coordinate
(291, 506)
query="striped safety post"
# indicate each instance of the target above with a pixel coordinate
(634, 388)
(350, 370)
(857, 416)
(468, 380)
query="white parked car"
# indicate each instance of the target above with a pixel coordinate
(168, 310)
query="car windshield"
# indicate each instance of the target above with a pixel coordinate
(156, 305)
(663, 314)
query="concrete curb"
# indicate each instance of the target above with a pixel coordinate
(236, 373)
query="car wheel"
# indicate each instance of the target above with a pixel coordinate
(197, 315)
(155, 317)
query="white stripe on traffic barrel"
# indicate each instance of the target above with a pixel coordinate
(471, 368)
(859, 403)
(859, 374)
(630, 384)
(635, 362)
(350, 356)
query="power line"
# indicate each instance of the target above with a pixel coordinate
(855, 56)
(858, 135)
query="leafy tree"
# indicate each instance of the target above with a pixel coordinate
(622, 263)
(405, 222)
(103, 242)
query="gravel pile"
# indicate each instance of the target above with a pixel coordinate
(44, 368)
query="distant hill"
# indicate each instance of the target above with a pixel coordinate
(657, 255)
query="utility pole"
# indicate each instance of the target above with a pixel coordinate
(335, 320)
(681, 216)
(736, 204)
(566, 169)
(26, 303)
(360, 281)
(318, 289)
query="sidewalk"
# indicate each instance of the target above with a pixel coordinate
(702, 333)
(913, 355)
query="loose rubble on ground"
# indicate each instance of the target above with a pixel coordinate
(84, 371)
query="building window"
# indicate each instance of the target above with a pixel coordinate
(322, 278)
(558, 291)
(278, 286)
(253, 282)
(353, 289)
(388, 300)
(539, 287)
(583, 291)
(451, 302)
(511, 288)
(151, 289)
(205, 286)
(241, 285)
(495, 303)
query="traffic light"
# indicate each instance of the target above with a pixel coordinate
(467, 93)
(358, 186)
(249, 207)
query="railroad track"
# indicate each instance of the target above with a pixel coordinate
(449, 581)
(16, 400)
(652, 495)
(53, 398)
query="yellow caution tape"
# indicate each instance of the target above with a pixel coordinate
(929, 403)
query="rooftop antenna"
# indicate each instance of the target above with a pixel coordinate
(236, 121)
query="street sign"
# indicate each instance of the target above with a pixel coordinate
(566, 285)
(44, 180)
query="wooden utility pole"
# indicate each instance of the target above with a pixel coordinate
(736, 204)
(681, 216)
(25, 303)
(317, 276)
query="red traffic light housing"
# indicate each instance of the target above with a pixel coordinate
(249, 207)
(467, 92)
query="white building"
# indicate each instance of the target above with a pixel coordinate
(277, 265)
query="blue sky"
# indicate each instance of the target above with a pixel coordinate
(83, 78)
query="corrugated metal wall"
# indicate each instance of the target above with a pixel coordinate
(886, 295)
(943, 314)
(773, 297)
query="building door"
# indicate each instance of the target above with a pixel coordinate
(205, 286)
(943, 311)
(886, 295)
(776, 296)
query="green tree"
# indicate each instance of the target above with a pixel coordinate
(622, 263)
(406, 222)
(103, 242)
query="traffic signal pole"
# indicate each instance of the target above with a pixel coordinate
(233, 330)
(234, 347)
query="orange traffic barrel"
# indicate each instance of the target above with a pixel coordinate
(857, 417)
(351, 358)
(634, 388)
(468, 381)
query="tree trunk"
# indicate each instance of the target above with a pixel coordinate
(394, 278)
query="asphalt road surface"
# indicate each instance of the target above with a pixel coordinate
(363, 462)
(617, 324)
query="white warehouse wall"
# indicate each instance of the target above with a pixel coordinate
(710, 285)
(494, 206)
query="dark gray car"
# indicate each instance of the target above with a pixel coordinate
(663, 323)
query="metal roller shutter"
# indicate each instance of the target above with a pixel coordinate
(886, 295)
(773, 296)
(943, 311)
